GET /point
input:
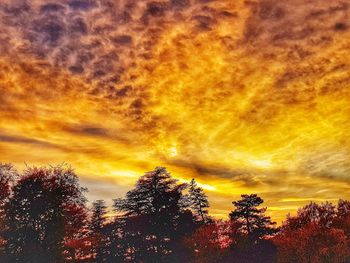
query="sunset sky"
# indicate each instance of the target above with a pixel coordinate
(245, 96)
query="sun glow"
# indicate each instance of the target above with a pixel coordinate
(238, 94)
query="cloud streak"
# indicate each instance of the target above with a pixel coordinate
(247, 96)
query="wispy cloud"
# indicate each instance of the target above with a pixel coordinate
(246, 96)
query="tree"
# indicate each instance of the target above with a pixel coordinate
(198, 202)
(46, 210)
(154, 217)
(321, 214)
(251, 230)
(98, 233)
(312, 243)
(209, 242)
(342, 219)
(7, 177)
(252, 220)
(313, 235)
(117, 245)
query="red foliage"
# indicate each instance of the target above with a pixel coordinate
(312, 243)
(317, 234)
(208, 242)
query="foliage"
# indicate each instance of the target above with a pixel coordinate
(98, 235)
(250, 230)
(198, 202)
(155, 220)
(313, 243)
(315, 234)
(46, 208)
(209, 242)
(44, 218)
(252, 220)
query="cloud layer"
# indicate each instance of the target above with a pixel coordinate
(247, 96)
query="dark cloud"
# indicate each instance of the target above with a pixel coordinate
(340, 26)
(76, 69)
(81, 4)
(248, 178)
(79, 26)
(88, 130)
(269, 10)
(25, 140)
(137, 104)
(52, 7)
(70, 33)
(122, 40)
(295, 24)
(16, 8)
(203, 22)
(52, 31)
(179, 3)
(156, 8)
(91, 130)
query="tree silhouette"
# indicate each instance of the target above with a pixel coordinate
(43, 218)
(250, 232)
(46, 209)
(154, 216)
(209, 242)
(98, 233)
(7, 177)
(312, 243)
(252, 220)
(315, 234)
(321, 214)
(198, 202)
(117, 242)
(342, 219)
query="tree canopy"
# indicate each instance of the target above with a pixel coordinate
(45, 217)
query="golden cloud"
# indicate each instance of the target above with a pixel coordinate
(246, 96)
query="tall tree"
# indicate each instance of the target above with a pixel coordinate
(46, 209)
(98, 233)
(198, 201)
(117, 245)
(252, 220)
(7, 177)
(251, 229)
(152, 216)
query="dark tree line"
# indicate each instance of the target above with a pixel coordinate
(45, 218)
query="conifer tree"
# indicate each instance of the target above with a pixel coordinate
(97, 230)
(154, 217)
(251, 219)
(198, 202)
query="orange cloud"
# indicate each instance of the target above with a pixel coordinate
(246, 96)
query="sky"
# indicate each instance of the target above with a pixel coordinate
(245, 96)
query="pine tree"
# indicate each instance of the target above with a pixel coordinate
(251, 219)
(98, 219)
(97, 230)
(198, 202)
(154, 217)
(249, 230)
